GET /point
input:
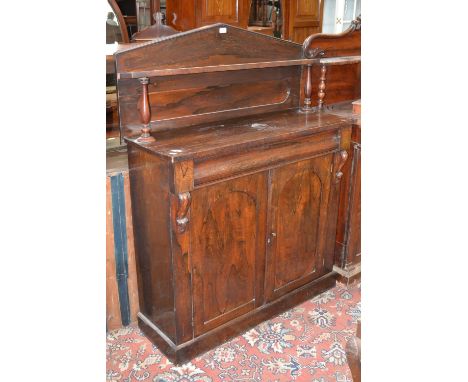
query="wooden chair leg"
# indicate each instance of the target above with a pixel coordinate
(353, 354)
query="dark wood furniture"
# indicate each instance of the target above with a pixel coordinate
(301, 18)
(189, 14)
(157, 30)
(348, 236)
(235, 181)
(341, 83)
(113, 134)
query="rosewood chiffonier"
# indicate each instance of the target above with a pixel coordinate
(235, 181)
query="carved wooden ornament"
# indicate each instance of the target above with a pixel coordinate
(145, 112)
(321, 93)
(342, 160)
(184, 204)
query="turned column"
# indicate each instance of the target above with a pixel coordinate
(321, 93)
(308, 89)
(145, 113)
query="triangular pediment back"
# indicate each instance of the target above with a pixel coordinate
(217, 44)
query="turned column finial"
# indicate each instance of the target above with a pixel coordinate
(308, 89)
(321, 93)
(145, 112)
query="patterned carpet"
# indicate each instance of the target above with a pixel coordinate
(305, 343)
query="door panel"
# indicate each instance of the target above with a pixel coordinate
(233, 12)
(299, 195)
(228, 248)
(180, 14)
(297, 228)
(302, 18)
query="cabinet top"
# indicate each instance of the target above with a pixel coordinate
(346, 110)
(207, 140)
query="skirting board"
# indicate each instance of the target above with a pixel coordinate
(182, 353)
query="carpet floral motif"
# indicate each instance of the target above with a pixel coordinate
(270, 336)
(305, 343)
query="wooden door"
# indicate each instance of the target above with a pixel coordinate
(180, 14)
(228, 222)
(297, 221)
(302, 18)
(233, 12)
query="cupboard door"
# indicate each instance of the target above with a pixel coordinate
(302, 18)
(180, 14)
(228, 222)
(233, 12)
(297, 217)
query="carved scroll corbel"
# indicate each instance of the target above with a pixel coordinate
(183, 206)
(341, 161)
(356, 24)
(314, 52)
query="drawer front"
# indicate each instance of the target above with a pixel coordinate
(233, 165)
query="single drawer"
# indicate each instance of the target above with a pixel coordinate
(263, 157)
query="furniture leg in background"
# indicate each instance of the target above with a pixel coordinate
(353, 354)
(121, 284)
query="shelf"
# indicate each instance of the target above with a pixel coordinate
(217, 68)
(253, 65)
(340, 60)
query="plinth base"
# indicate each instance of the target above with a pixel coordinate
(186, 351)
